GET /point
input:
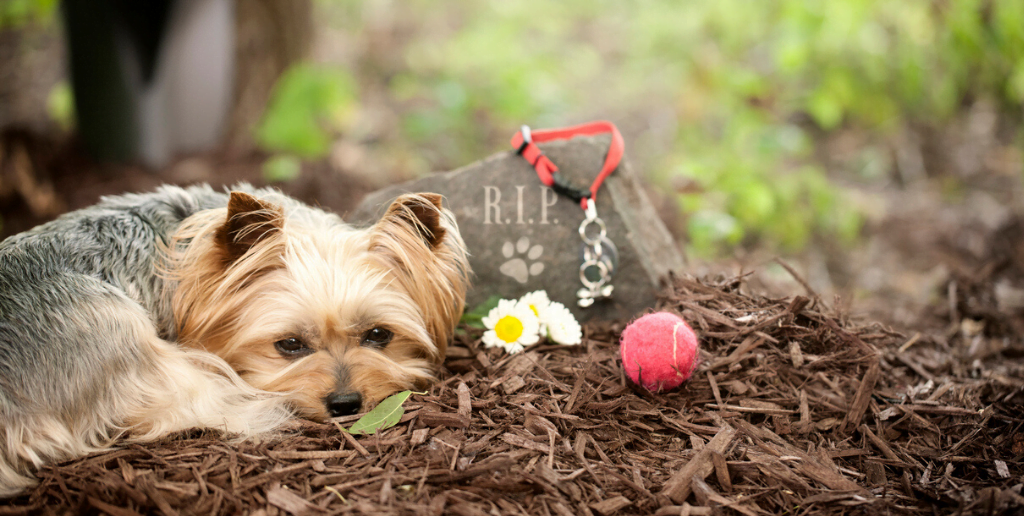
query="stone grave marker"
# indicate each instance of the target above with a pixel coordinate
(522, 236)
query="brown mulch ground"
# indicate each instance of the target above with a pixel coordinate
(795, 409)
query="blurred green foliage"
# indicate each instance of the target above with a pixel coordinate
(281, 168)
(738, 91)
(727, 101)
(309, 105)
(17, 13)
(60, 105)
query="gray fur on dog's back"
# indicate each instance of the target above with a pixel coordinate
(85, 322)
(53, 356)
(60, 283)
(115, 242)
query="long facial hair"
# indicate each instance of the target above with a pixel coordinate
(254, 273)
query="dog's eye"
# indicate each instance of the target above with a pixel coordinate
(292, 346)
(377, 337)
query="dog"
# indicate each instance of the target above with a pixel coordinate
(149, 314)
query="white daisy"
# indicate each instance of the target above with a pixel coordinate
(511, 325)
(538, 302)
(562, 327)
(514, 348)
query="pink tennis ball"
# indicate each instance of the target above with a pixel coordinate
(659, 351)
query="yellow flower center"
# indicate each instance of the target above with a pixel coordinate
(509, 329)
(535, 312)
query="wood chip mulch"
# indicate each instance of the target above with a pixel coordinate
(795, 409)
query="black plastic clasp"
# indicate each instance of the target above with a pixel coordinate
(563, 186)
(527, 138)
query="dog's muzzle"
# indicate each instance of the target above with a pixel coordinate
(344, 403)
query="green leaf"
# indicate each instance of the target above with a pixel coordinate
(753, 203)
(60, 105)
(281, 168)
(474, 317)
(826, 110)
(1015, 84)
(308, 106)
(18, 13)
(385, 415)
(707, 229)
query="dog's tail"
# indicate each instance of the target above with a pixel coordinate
(195, 389)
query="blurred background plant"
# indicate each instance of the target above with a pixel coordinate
(725, 103)
(759, 124)
(308, 108)
(16, 13)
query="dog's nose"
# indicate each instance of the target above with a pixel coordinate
(344, 404)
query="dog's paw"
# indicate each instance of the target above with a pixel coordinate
(516, 267)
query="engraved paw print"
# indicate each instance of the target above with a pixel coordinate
(516, 267)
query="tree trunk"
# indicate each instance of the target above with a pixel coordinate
(270, 36)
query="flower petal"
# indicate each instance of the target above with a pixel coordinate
(490, 339)
(514, 347)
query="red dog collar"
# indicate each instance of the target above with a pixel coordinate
(525, 142)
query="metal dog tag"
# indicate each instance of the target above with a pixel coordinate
(609, 255)
(599, 258)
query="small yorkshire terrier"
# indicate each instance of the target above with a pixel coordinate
(188, 308)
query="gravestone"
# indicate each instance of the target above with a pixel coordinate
(522, 236)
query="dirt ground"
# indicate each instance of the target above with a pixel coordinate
(904, 397)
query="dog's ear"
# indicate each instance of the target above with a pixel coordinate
(420, 214)
(249, 222)
(419, 241)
